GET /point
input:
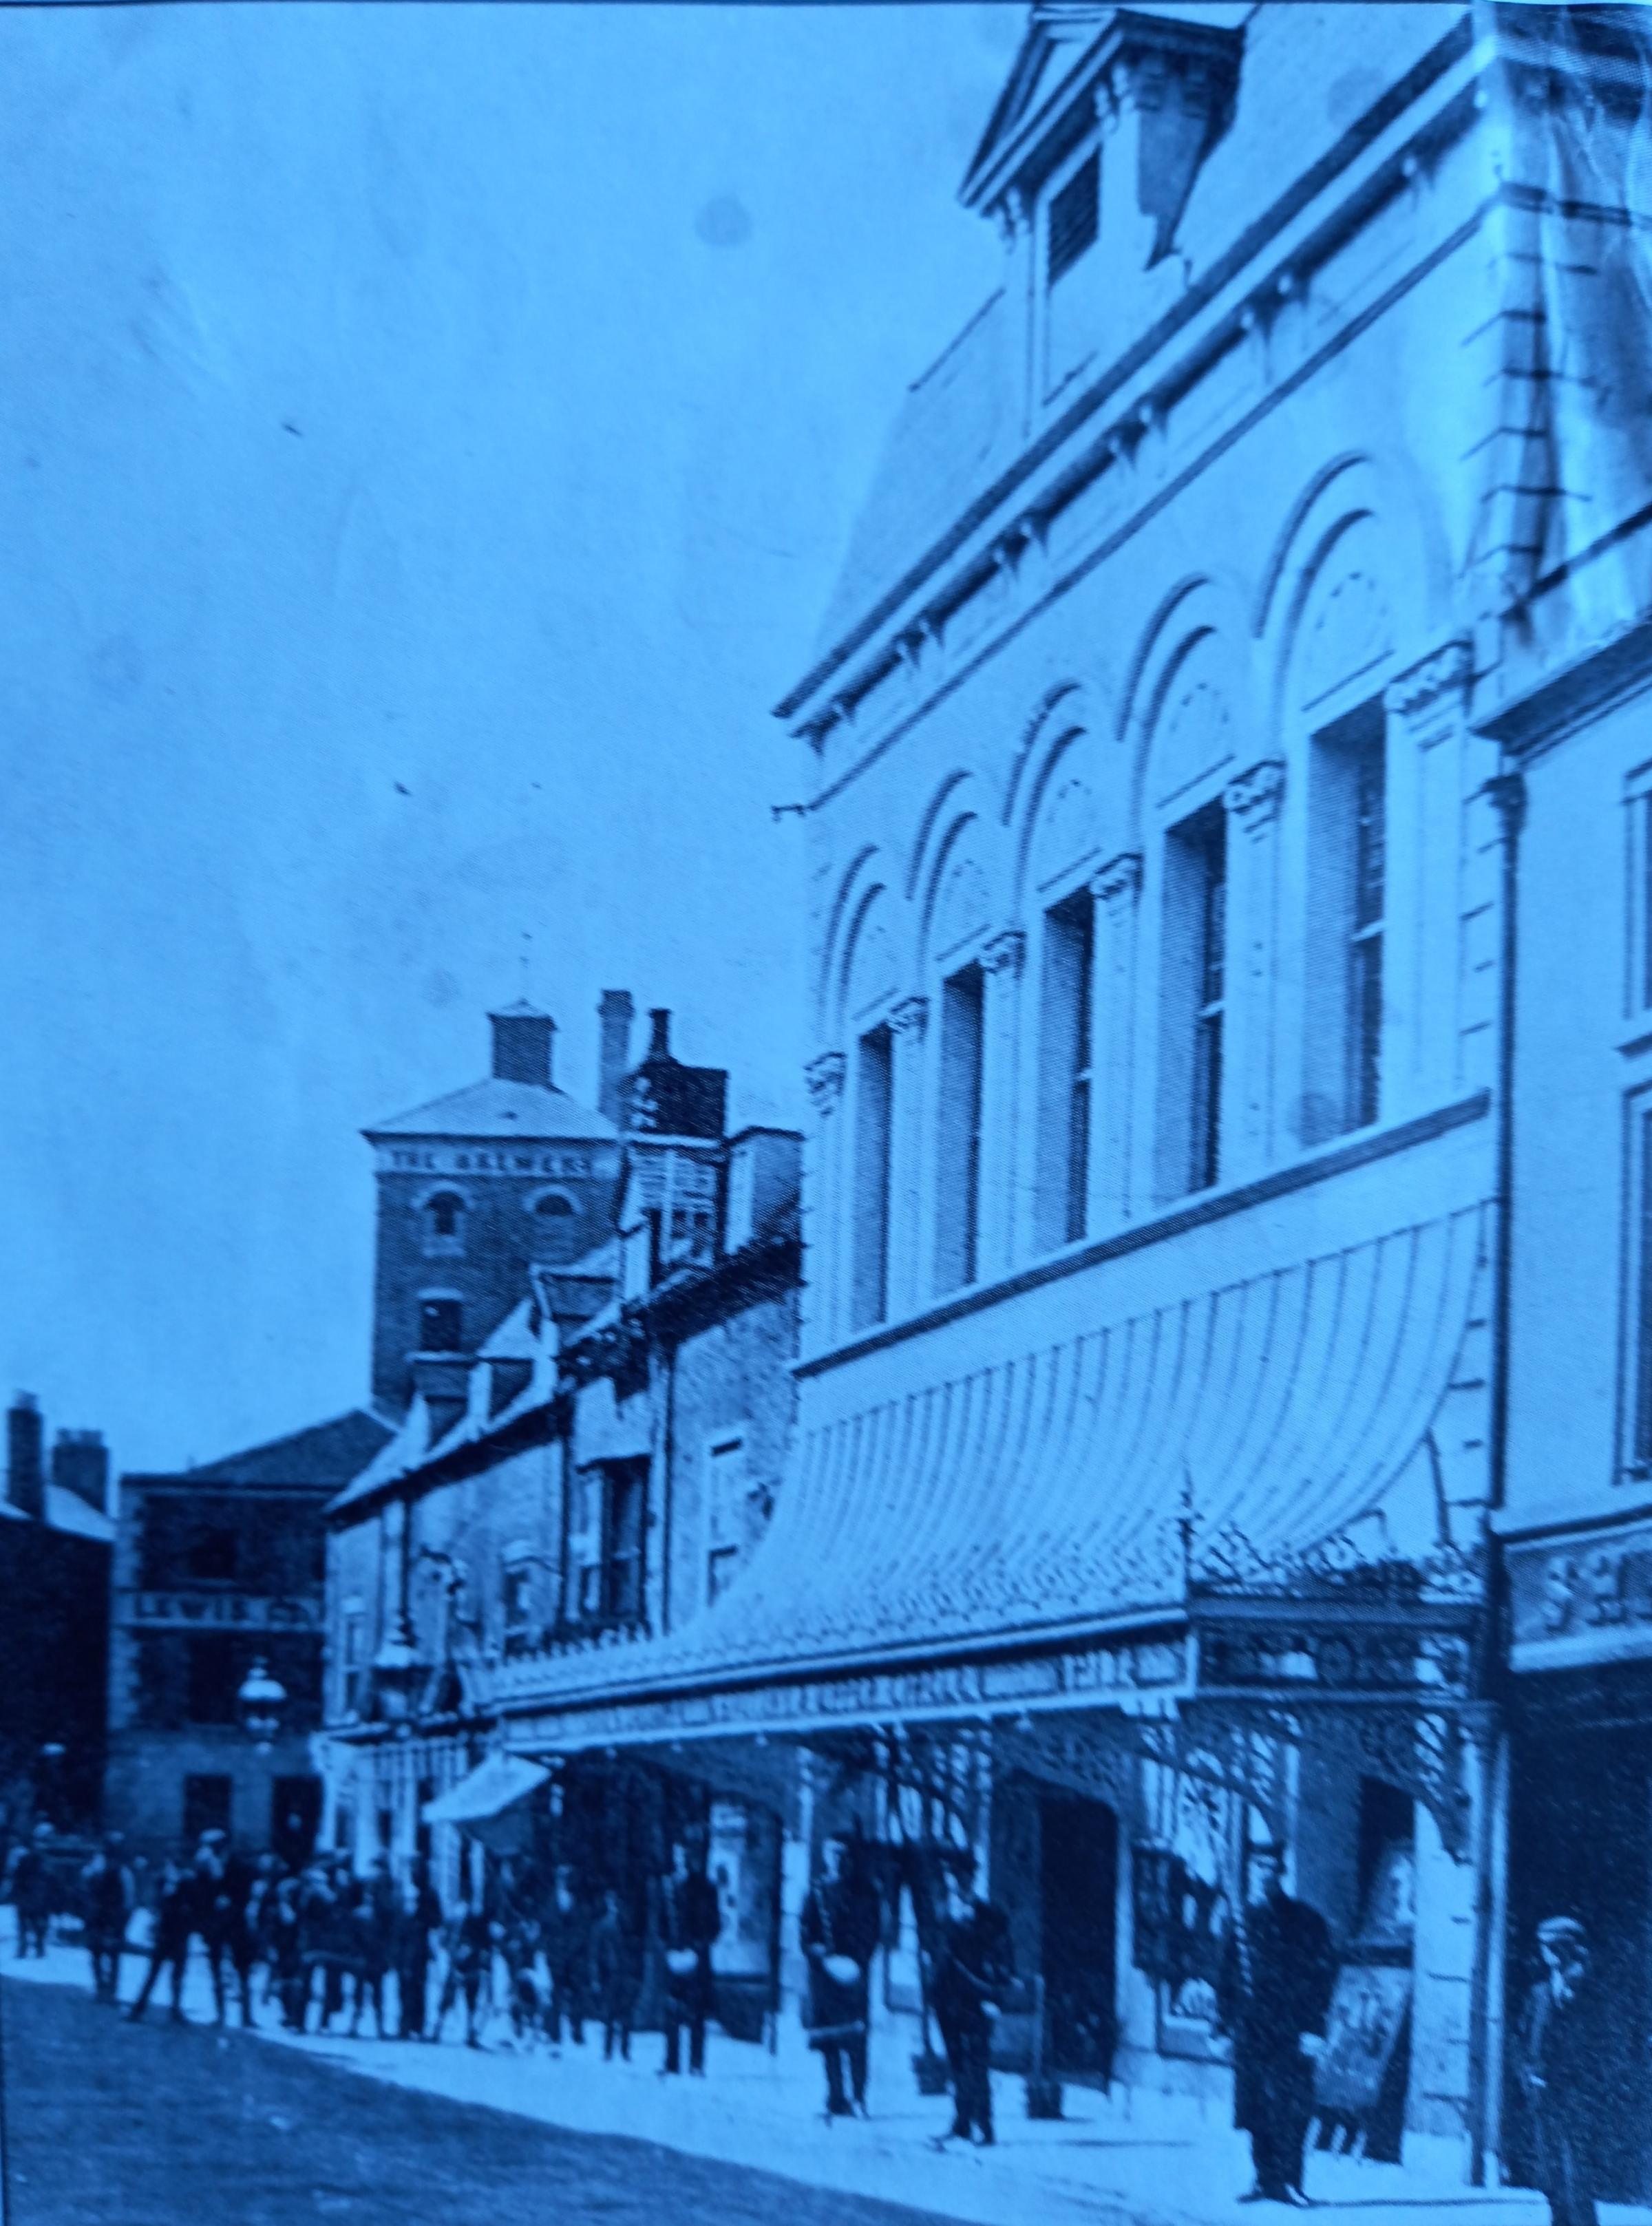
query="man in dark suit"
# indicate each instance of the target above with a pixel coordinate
(975, 1964)
(690, 1920)
(1556, 2049)
(567, 1932)
(838, 1929)
(1278, 1975)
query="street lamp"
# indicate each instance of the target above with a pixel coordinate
(261, 1701)
(396, 1670)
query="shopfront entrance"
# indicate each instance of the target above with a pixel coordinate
(1581, 1845)
(1079, 1878)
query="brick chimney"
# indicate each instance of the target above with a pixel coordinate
(80, 1464)
(522, 1045)
(615, 1013)
(25, 1456)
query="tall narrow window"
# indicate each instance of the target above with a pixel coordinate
(1641, 1180)
(441, 1325)
(627, 1505)
(958, 1219)
(1347, 896)
(874, 1091)
(1065, 1070)
(1195, 1002)
(1075, 219)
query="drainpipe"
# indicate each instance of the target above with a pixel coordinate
(1507, 793)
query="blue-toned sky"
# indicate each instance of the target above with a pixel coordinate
(427, 437)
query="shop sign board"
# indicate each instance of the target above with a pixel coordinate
(1581, 1598)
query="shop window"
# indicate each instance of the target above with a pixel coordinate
(207, 1798)
(1065, 1071)
(1347, 896)
(958, 1159)
(441, 1325)
(1194, 998)
(874, 1093)
(211, 1678)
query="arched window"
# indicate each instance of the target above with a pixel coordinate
(554, 1205)
(444, 1210)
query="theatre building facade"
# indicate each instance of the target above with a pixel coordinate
(1154, 1389)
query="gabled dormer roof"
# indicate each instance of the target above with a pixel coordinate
(1186, 56)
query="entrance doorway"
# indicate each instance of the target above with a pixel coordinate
(1079, 1878)
(295, 1819)
(1578, 1838)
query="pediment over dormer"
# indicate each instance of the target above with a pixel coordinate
(1159, 80)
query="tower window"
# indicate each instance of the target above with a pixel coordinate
(441, 1325)
(1074, 220)
(444, 1210)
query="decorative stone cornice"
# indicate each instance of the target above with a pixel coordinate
(911, 1016)
(1444, 673)
(1119, 880)
(824, 1077)
(1004, 953)
(1254, 796)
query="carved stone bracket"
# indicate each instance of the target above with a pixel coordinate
(911, 1016)
(824, 1077)
(1254, 796)
(1438, 684)
(1004, 953)
(1118, 880)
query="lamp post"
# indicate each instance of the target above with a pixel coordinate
(262, 1701)
(396, 1668)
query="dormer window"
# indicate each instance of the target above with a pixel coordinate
(1075, 218)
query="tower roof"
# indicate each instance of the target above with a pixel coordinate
(494, 1109)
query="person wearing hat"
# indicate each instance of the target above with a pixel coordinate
(1278, 1975)
(838, 1929)
(690, 1918)
(976, 1963)
(30, 1884)
(1556, 2048)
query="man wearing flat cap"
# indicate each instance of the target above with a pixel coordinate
(1556, 2046)
(1278, 1975)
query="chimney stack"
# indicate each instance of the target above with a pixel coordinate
(80, 1464)
(659, 1038)
(615, 1013)
(25, 1456)
(522, 1045)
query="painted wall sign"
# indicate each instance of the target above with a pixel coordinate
(1579, 1600)
(242, 1611)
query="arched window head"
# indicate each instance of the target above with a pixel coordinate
(444, 1210)
(554, 1205)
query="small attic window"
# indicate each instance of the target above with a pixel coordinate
(1074, 218)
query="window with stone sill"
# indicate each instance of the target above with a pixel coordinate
(1193, 1002)
(1638, 1450)
(873, 1110)
(958, 1155)
(1637, 969)
(1070, 226)
(1065, 1075)
(444, 1224)
(1347, 906)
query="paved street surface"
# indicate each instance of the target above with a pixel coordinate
(159, 2126)
(150, 2125)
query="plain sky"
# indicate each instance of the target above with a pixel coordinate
(427, 436)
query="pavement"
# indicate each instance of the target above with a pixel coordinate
(1126, 2160)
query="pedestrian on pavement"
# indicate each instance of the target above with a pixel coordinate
(975, 1965)
(224, 1886)
(175, 1921)
(1278, 1975)
(469, 1940)
(107, 1896)
(284, 1930)
(1558, 2047)
(267, 1871)
(690, 1920)
(838, 1928)
(373, 1923)
(322, 1923)
(616, 1974)
(568, 1955)
(418, 1919)
(30, 1885)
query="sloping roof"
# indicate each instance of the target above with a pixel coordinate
(327, 1455)
(956, 430)
(520, 1112)
(1050, 1490)
(67, 1510)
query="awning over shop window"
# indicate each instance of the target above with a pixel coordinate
(489, 1803)
(1087, 1483)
